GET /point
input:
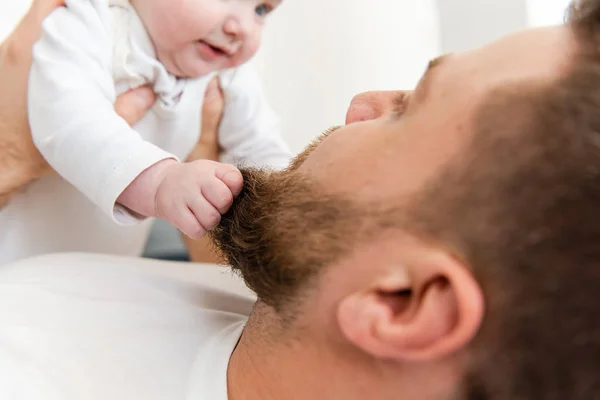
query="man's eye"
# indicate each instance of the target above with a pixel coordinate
(263, 10)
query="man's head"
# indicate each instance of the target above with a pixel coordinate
(195, 37)
(450, 248)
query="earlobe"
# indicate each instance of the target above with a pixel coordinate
(438, 313)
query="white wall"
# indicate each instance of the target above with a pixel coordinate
(465, 24)
(546, 12)
(317, 54)
(10, 13)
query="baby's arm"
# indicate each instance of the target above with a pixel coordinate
(71, 96)
(250, 131)
(73, 122)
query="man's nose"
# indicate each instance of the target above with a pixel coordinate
(371, 105)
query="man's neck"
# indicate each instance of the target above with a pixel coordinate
(294, 369)
(247, 375)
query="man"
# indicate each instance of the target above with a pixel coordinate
(444, 248)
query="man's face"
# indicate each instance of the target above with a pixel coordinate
(308, 216)
(408, 135)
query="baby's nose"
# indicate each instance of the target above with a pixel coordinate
(232, 27)
(238, 24)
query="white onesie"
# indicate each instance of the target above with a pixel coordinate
(90, 52)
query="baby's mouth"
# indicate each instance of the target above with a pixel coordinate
(216, 49)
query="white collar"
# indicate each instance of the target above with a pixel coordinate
(208, 379)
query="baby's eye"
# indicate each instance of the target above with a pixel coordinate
(263, 9)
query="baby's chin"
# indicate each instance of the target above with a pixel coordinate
(192, 68)
(185, 65)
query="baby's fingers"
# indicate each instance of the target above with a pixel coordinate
(231, 177)
(206, 215)
(218, 194)
(185, 220)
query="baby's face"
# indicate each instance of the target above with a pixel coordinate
(195, 37)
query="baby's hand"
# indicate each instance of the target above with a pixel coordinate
(192, 196)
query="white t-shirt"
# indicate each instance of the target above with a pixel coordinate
(90, 52)
(76, 327)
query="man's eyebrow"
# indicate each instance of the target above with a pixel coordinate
(428, 75)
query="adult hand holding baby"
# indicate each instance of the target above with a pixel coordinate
(20, 161)
(208, 148)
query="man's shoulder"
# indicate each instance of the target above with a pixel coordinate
(110, 278)
(113, 327)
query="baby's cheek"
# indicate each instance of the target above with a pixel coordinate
(249, 50)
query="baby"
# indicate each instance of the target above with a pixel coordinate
(90, 52)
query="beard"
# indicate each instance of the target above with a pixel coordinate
(284, 228)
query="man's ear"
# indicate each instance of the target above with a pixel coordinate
(417, 311)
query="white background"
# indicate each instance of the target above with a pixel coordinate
(546, 12)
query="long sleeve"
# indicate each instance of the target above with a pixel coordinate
(250, 132)
(71, 97)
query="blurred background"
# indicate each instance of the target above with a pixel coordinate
(315, 59)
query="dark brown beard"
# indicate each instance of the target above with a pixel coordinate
(280, 231)
(283, 228)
